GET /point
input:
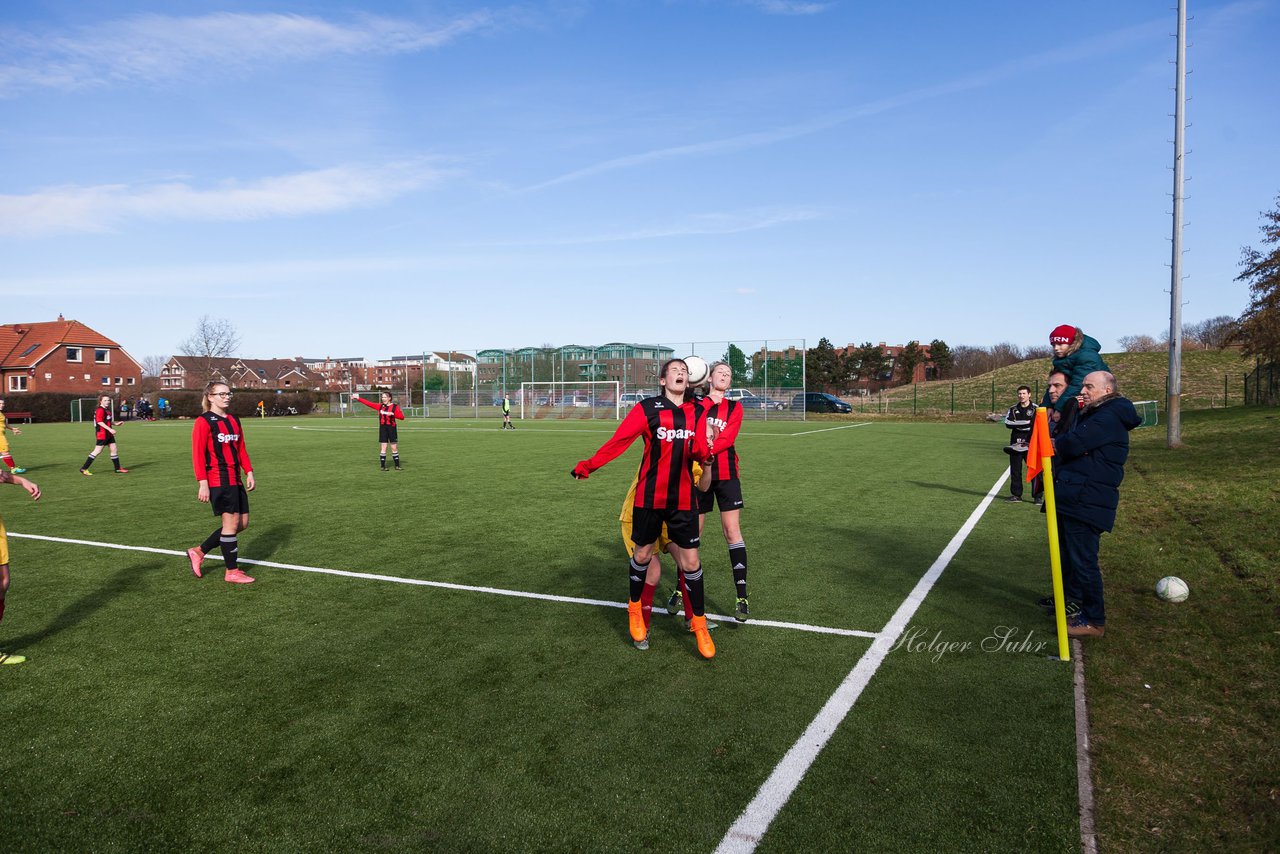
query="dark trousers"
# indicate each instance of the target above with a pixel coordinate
(1016, 460)
(1081, 575)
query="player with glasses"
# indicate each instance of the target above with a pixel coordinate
(218, 455)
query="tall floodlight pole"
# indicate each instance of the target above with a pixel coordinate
(1174, 439)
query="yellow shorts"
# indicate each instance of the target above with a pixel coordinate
(661, 545)
(4, 444)
(4, 545)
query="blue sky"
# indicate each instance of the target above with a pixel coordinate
(348, 181)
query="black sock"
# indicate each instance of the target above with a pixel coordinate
(382, 460)
(396, 459)
(230, 549)
(635, 580)
(738, 560)
(697, 605)
(212, 541)
(88, 463)
(115, 461)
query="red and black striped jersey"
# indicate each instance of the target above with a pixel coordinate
(674, 436)
(102, 416)
(388, 413)
(217, 450)
(727, 416)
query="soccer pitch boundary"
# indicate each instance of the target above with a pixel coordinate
(746, 832)
(750, 827)
(445, 585)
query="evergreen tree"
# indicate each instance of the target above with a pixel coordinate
(940, 355)
(1260, 323)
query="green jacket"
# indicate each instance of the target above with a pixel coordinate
(1077, 365)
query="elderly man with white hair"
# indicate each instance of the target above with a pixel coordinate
(1089, 468)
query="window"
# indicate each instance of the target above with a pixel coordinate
(106, 380)
(28, 351)
(131, 379)
(119, 381)
(17, 382)
(102, 357)
(48, 376)
(86, 378)
(73, 354)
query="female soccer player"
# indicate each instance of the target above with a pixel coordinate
(726, 489)
(674, 436)
(702, 477)
(104, 436)
(218, 454)
(4, 442)
(34, 491)
(388, 414)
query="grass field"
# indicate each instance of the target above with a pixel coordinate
(316, 711)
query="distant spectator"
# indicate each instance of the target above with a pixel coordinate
(1090, 469)
(1019, 419)
(1076, 355)
(124, 409)
(162, 406)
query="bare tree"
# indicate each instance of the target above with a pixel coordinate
(214, 340)
(1212, 334)
(153, 365)
(1038, 351)
(1140, 344)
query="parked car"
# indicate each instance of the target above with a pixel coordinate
(631, 398)
(750, 400)
(817, 401)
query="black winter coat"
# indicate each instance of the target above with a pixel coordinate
(1089, 461)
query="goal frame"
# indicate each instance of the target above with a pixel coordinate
(78, 408)
(573, 387)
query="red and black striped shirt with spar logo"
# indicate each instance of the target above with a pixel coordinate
(101, 417)
(218, 452)
(674, 436)
(388, 413)
(727, 417)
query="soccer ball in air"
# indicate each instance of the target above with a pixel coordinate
(1172, 589)
(697, 369)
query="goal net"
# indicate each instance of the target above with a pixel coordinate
(1148, 410)
(570, 400)
(82, 408)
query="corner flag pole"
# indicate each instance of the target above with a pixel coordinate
(1040, 461)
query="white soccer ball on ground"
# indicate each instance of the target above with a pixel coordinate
(1172, 589)
(697, 369)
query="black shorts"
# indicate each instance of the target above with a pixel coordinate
(387, 433)
(228, 499)
(102, 443)
(726, 493)
(682, 527)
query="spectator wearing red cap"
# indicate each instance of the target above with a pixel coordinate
(1076, 355)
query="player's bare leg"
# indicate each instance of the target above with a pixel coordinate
(6, 658)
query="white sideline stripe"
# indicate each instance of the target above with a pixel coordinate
(829, 429)
(419, 582)
(746, 832)
(416, 429)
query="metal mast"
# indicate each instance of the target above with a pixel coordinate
(1175, 288)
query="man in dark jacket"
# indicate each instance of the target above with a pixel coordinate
(1090, 467)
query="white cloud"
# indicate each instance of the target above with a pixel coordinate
(152, 48)
(101, 208)
(789, 7)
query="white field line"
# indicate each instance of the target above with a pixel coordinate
(829, 429)
(750, 827)
(565, 432)
(419, 582)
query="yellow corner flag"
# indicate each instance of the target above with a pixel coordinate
(1040, 461)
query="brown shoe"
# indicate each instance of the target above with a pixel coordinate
(1081, 629)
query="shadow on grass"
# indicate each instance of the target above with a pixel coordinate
(947, 488)
(270, 540)
(123, 581)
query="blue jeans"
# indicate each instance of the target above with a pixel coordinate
(1081, 575)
